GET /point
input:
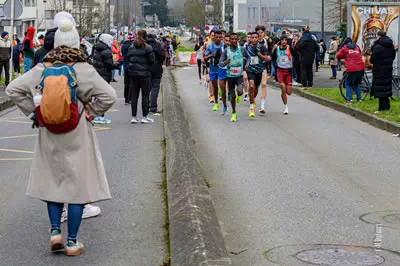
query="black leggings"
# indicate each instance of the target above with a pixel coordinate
(138, 83)
(199, 67)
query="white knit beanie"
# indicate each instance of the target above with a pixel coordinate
(107, 39)
(60, 16)
(67, 35)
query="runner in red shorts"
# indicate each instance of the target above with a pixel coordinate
(284, 59)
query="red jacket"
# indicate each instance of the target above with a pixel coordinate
(352, 56)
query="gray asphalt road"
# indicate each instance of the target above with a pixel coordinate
(129, 230)
(296, 180)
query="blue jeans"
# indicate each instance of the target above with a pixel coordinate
(27, 64)
(349, 91)
(74, 217)
(334, 71)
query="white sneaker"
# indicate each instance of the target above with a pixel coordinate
(147, 120)
(88, 212)
(286, 112)
(74, 249)
(135, 120)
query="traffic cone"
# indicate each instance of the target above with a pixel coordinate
(193, 59)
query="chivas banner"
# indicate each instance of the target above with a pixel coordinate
(368, 19)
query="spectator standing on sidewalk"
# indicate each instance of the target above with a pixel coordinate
(333, 62)
(307, 48)
(116, 57)
(104, 65)
(16, 55)
(324, 49)
(29, 51)
(5, 55)
(383, 55)
(141, 58)
(124, 52)
(354, 65)
(156, 72)
(296, 61)
(67, 168)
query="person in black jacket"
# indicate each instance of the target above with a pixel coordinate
(307, 48)
(102, 57)
(383, 55)
(156, 72)
(47, 46)
(124, 53)
(141, 58)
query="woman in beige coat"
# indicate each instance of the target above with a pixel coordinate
(332, 51)
(67, 167)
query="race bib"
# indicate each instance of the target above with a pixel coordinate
(254, 60)
(236, 70)
(283, 60)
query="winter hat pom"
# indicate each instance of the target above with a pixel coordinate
(66, 25)
(66, 34)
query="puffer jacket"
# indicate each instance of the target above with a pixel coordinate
(307, 48)
(351, 53)
(383, 55)
(103, 61)
(5, 50)
(156, 70)
(140, 60)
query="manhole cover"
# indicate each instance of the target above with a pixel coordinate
(331, 255)
(340, 257)
(389, 218)
(392, 218)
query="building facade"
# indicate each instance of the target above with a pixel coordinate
(28, 18)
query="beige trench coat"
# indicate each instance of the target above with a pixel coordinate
(67, 168)
(333, 49)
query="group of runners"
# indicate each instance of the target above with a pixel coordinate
(242, 68)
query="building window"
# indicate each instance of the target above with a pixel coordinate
(33, 2)
(254, 12)
(248, 9)
(27, 3)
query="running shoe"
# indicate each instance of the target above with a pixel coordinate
(56, 240)
(99, 120)
(135, 120)
(147, 120)
(211, 98)
(286, 111)
(262, 111)
(246, 97)
(215, 107)
(238, 99)
(156, 113)
(233, 118)
(224, 110)
(74, 248)
(106, 121)
(251, 113)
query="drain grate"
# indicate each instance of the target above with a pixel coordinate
(340, 257)
(331, 255)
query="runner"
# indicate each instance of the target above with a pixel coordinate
(234, 58)
(245, 79)
(258, 54)
(284, 60)
(264, 41)
(213, 54)
(210, 40)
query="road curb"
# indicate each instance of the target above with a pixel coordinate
(377, 122)
(5, 103)
(195, 234)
